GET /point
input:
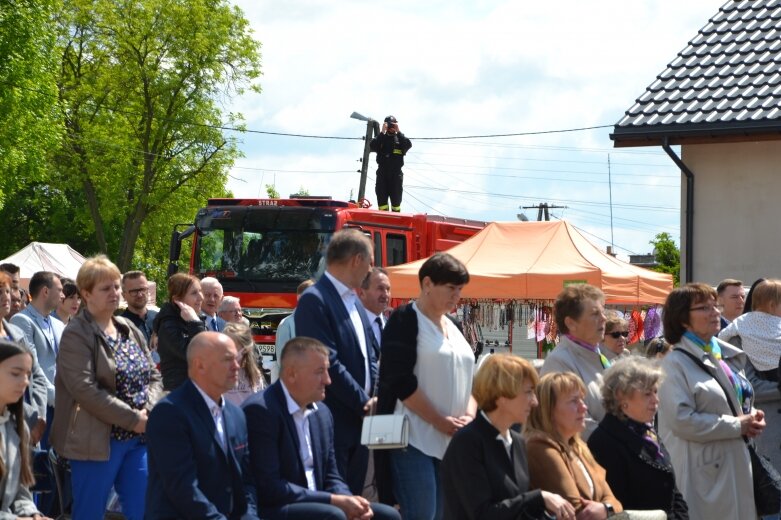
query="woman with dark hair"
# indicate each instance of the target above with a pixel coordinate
(16, 472)
(625, 443)
(616, 334)
(70, 303)
(426, 372)
(486, 479)
(250, 378)
(706, 408)
(105, 386)
(580, 317)
(175, 325)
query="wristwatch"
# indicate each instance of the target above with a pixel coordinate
(609, 509)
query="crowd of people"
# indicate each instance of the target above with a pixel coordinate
(170, 412)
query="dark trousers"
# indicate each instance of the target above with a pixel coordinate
(389, 184)
(352, 463)
(308, 511)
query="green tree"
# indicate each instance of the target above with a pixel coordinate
(668, 256)
(142, 84)
(29, 115)
(271, 191)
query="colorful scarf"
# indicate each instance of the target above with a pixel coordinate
(602, 359)
(743, 390)
(649, 436)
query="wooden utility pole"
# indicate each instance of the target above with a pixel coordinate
(542, 210)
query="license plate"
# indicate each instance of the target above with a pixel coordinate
(267, 349)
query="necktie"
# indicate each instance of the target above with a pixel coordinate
(378, 320)
(217, 414)
(214, 324)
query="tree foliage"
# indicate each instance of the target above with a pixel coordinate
(271, 191)
(142, 84)
(668, 256)
(29, 115)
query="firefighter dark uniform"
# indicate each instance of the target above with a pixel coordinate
(390, 149)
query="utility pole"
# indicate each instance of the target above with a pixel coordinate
(610, 190)
(542, 210)
(372, 129)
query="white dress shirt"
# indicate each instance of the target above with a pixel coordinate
(301, 418)
(349, 298)
(216, 411)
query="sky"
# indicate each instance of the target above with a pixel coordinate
(470, 68)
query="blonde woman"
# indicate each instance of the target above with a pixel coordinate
(250, 379)
(482, 478)
(559, 461)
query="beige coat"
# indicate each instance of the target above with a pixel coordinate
(86, 404)
(710, 458)
(570, 357)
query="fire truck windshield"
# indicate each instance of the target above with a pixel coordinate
(251, 245)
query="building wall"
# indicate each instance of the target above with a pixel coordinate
(737, 217)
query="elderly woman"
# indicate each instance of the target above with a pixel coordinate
(616, 334)
(106, 384)
(758, 333)
(250, 379)
(175, 325)
(704, 382)
(482, 478)
(639, 470)
(580, 317)
(559, 461)
(426, 372)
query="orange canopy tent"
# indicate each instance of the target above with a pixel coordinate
(534, 261)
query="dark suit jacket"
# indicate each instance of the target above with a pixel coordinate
(190, 475)
(480, 481)
(275, 456)
(637, 479)
(320, 314)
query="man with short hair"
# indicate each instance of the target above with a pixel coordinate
(230, 310)
(331, 312)
(197, 441)
(298, 479)
(135, 291)
(43, 333)
(212, 298)
(13, 271)
(375, 295)
(731, 296)
(17, 302)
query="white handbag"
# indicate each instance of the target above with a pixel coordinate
(385, 432)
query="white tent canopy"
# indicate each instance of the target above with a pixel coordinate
(61, 259)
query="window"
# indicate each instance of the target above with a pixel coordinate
(396, 246)
(377, 248)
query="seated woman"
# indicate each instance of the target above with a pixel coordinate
(250, 379)
(483, 478)
(559, 461)
(625, 443)
(16, 472)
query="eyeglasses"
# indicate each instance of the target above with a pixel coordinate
(706, 308)
(136, 292)
(618, 334)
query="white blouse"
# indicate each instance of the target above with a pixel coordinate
(444, 369)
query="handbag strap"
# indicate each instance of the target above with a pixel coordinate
(707, 370)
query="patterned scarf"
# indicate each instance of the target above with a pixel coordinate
(602, 359)
(743, 390)
(649, 436)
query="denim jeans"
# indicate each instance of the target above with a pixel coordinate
(416, 484)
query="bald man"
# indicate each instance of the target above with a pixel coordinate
(197, 441)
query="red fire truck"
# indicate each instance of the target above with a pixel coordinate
(261, 249)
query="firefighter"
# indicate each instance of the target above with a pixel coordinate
(391, 146)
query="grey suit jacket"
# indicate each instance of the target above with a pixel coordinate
(44, 349)
(16, 498)
(38, 382)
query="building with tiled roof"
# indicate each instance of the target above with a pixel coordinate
(720, 101)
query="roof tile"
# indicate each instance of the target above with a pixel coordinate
(729, 72)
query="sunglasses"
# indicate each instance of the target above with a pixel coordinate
(617, 334)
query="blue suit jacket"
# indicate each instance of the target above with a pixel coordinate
(45, 351)
(321, 314)
(275, 456)
(190, 475)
